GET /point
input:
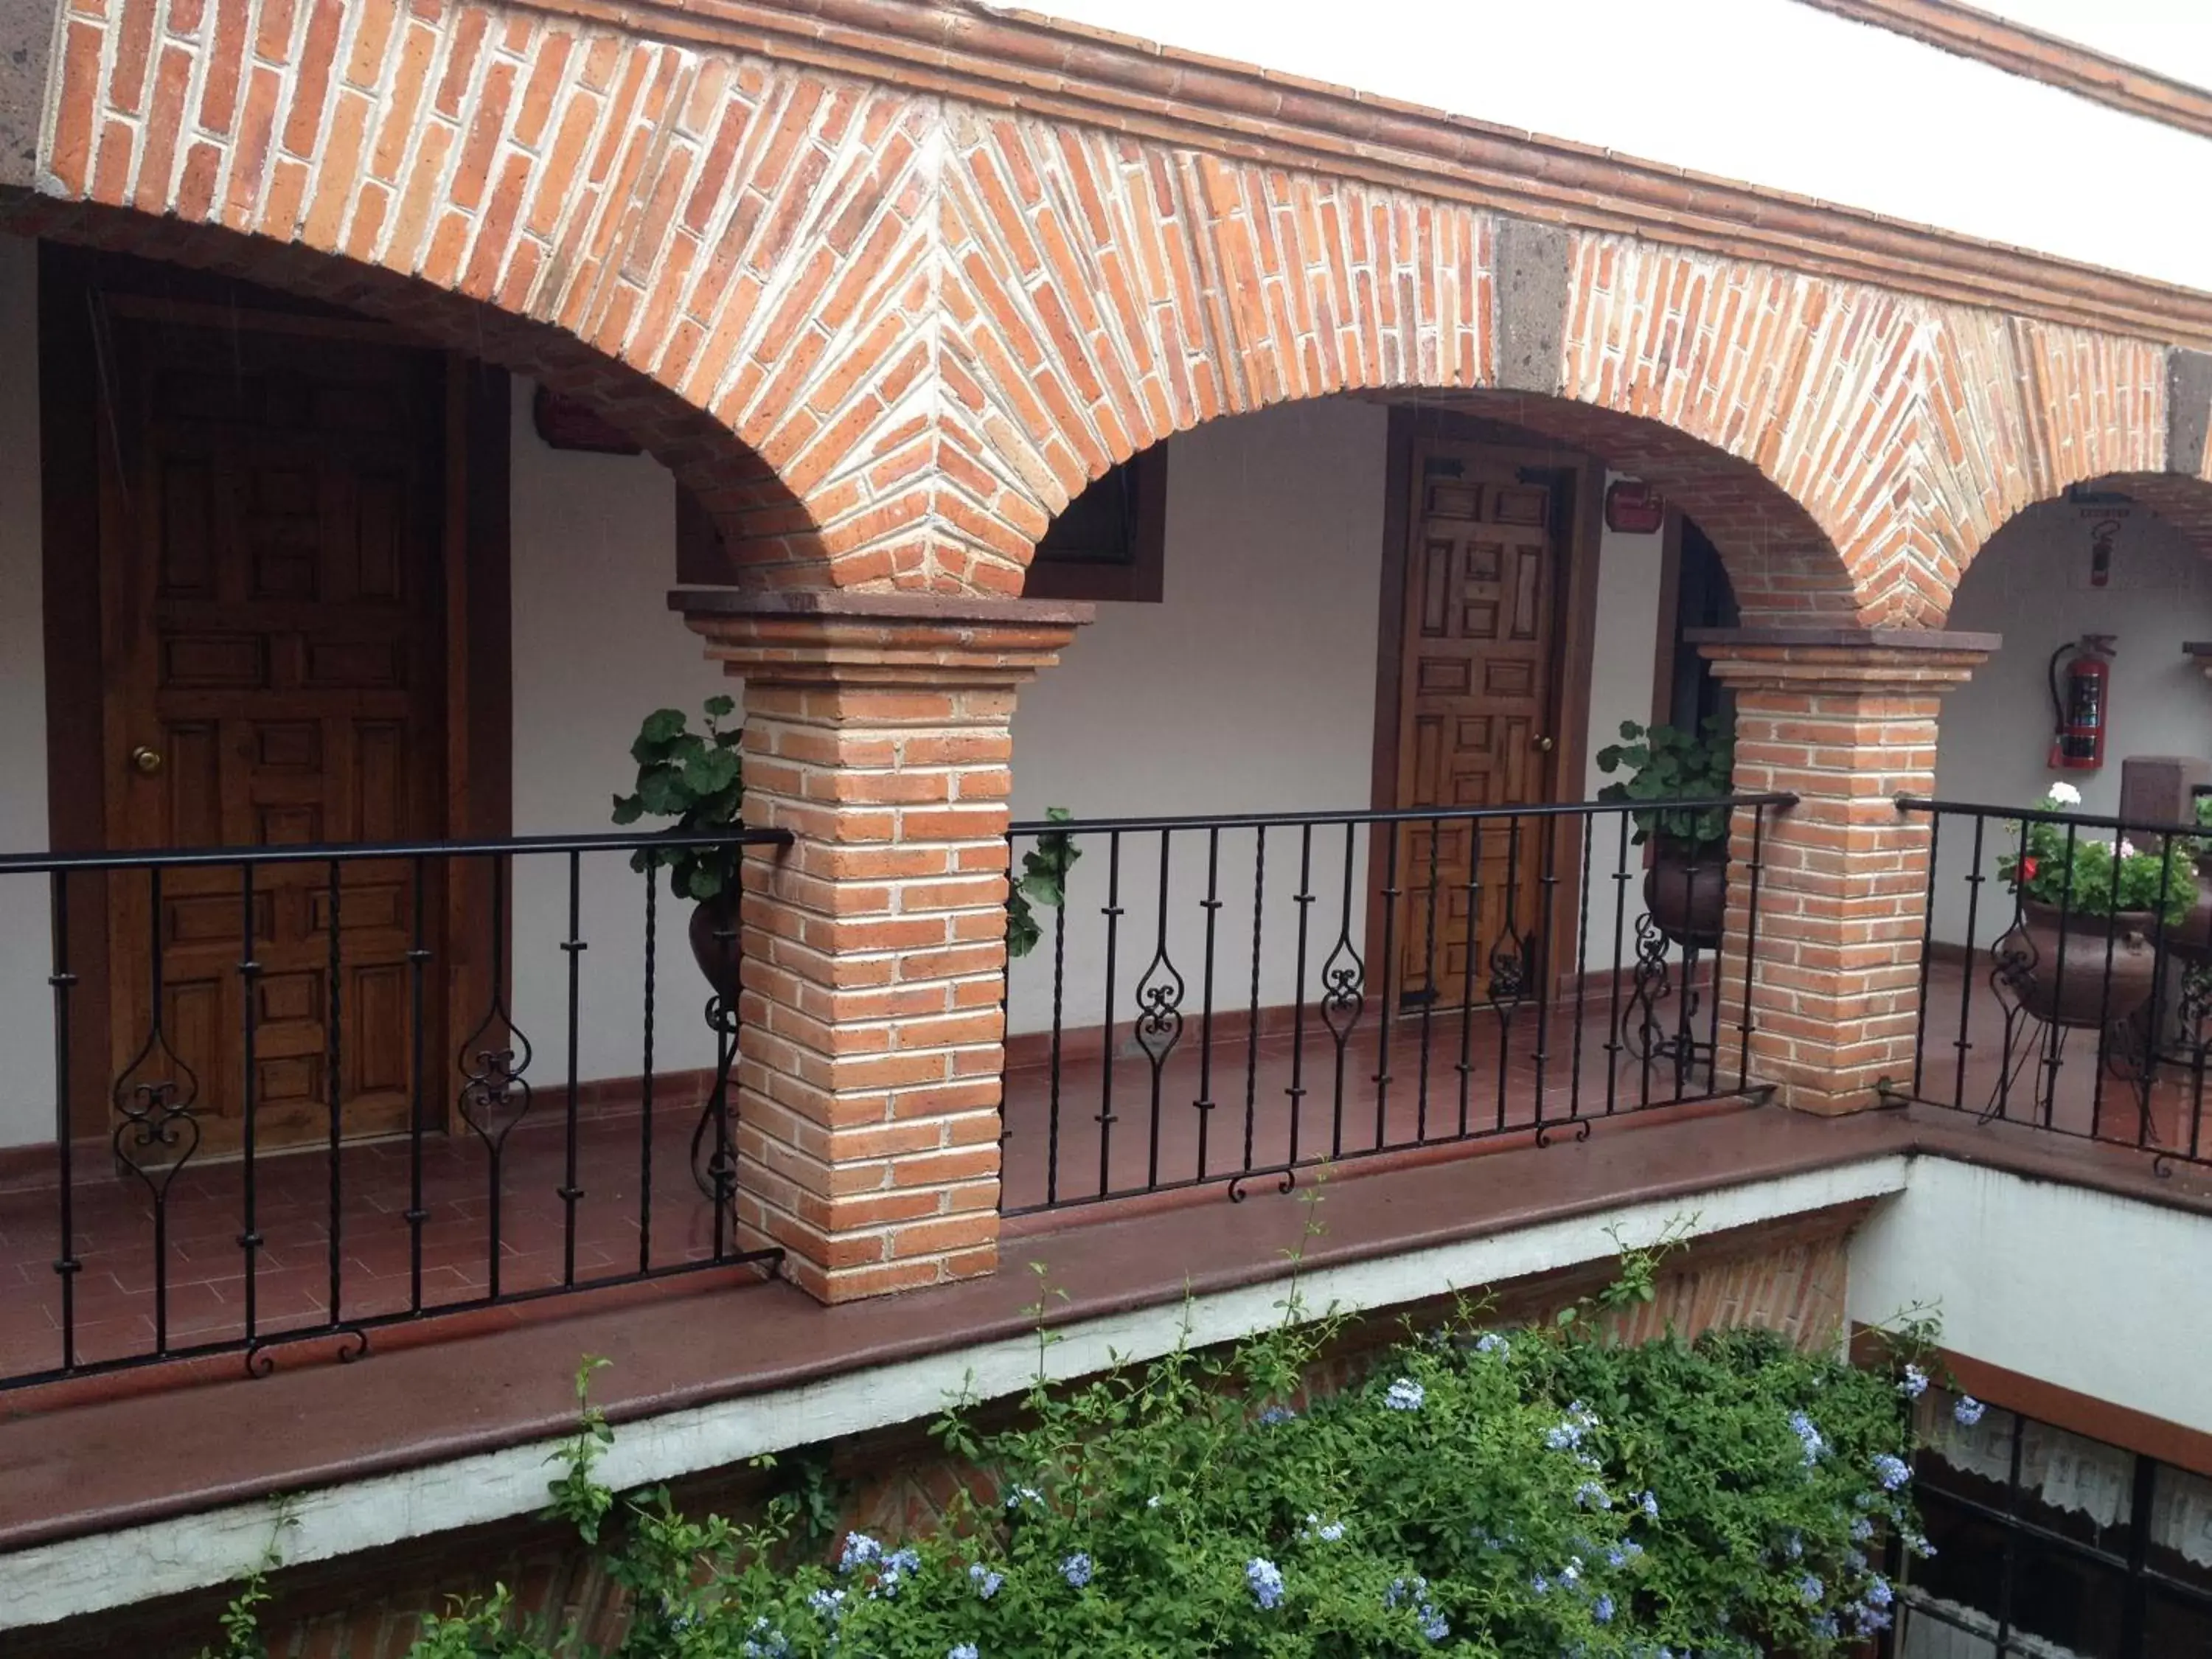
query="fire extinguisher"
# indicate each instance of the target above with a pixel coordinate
(2080, 703)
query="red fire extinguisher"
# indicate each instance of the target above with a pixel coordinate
(2080, 702)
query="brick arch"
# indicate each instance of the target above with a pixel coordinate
(750, 498)
(887, 334)
(663, 230)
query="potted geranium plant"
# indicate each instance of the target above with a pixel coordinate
(697, 779)
(1686, 889)
(2082, 951)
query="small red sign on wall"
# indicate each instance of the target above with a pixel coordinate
(1633, 508)
(564, 423)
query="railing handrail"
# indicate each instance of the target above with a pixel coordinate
(356, 852)
(2037, 815)
(1392, 815)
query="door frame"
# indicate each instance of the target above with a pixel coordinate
(1574, 626)
(473, 566)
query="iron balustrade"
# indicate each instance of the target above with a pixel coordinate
(168, 1246)
(2014, 989)
(1313, 987)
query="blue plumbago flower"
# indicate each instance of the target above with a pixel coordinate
(1274, 1414)
(1865, 1620)
(1564, 1436)
(1327, 1531)
(1892, 1471)
(1076, 1569)
(861, 1550)
(829, 1603)
(1809, 1436)
(1403, 1590)
(896, 1566)
(1968, 1410)
(1602, 1609)
(1916, 1545)
(1792, 1546)
(1153, 1501)
(1490, 1342)
(1541, 1585)
(1811, 1588)
(1622, 1553)
(1862, 1529)
(1434, 1624)
(961, 1651)
(986, 1581)
(1878, 1593)
(1266, 1579)
(766, 1642)
(1405, 1395)
(1571, 1573)
(1591, 1496)
(1915, 1383)
(1824, 1626)
(1649, 1505)
(1021, 1495)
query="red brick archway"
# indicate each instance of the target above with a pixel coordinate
(886, 334)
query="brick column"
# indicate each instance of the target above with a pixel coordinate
(1845, 721)
(871, 1044)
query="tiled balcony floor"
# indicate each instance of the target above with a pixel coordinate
(1050, 1155)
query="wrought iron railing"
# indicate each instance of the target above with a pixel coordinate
(295, 1093)
(2075, 998)
(1219, 1000)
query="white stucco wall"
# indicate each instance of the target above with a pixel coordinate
(1250, 689)
(2031, 584)
(26, 1107)
(2063, 1284)
(1695, 84)
(596, 649)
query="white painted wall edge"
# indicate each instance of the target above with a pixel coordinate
(52, 1582)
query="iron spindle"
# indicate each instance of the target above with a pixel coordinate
(1391, 893)
(1614, 1044)
(1112, 913)
(645, 1084)
(1428, 982)
(1211, 906)
(1059, 1009)
(334, 1081)
(1252, 1031)
(249, 975)
(573, 948)
(418, 959)
(64, 980)
(1303, 899)
(1927, 952)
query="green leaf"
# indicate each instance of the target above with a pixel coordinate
(629, 809)
(721, 706)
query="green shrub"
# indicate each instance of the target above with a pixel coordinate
(1523, 1492)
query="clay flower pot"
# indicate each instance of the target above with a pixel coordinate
(1686, 890)
(714, 942)
(2059, 974)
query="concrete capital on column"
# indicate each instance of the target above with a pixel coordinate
(831, 637)
(1839, 661)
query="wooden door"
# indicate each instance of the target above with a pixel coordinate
(1474, 702)
(272, 676)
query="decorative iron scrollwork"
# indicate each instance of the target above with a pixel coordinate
(156, 1131)
(1159, 1007)
(495, 1093)
(1344, 986)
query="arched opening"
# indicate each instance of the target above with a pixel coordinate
(1316, 613)
(285, 570)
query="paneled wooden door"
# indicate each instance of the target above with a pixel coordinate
(271, 513)
(1476, 696)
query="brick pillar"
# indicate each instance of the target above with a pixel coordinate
(871, 1044)
(1846, 721)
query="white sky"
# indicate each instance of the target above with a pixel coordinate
(1775, 93)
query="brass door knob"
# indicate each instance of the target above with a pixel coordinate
(1542, 746)
(147, 760)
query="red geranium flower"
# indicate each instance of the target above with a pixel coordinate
(2027, 869)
